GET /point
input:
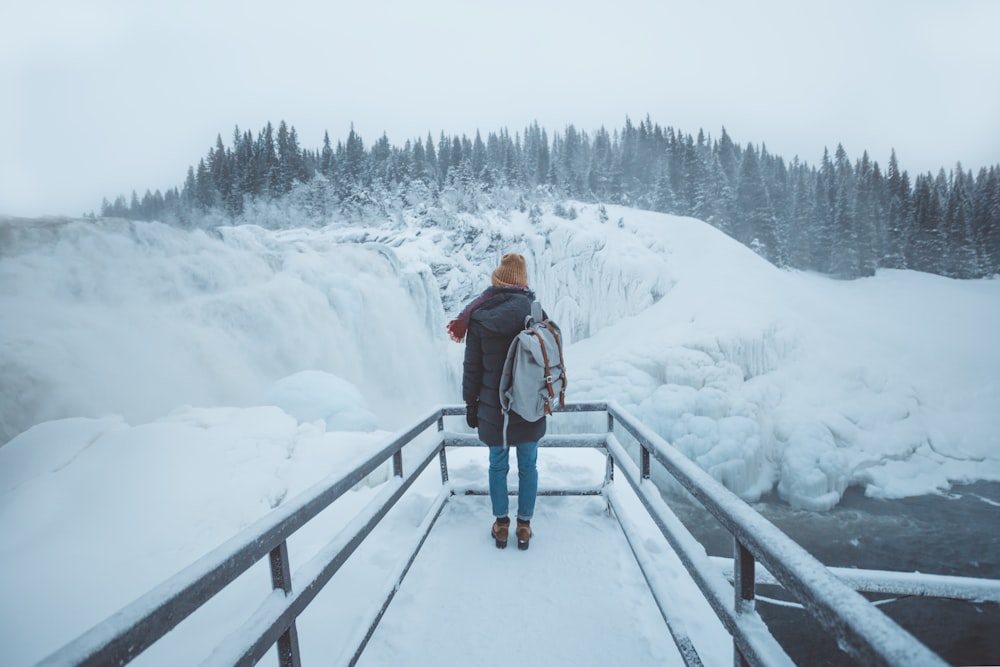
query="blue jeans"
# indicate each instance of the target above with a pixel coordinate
(527, 479)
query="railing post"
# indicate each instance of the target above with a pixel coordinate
(609, 468)
(644, 461)
(397, 463)
(743, 577)
(444, 465)
(744, 580)
(281, 578)
(442, 457)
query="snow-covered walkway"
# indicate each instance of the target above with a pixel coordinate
(576, 596)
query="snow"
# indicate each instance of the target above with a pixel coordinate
(164, 388)
(611, 605)
(314, 395)
(897, 583)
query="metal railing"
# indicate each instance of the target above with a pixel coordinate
(858, 626)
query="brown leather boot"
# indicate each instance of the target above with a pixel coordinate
(523, 533)
(499, 532)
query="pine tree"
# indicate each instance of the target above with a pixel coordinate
(265, 164)
(897, 216)
(629, 160)
(512, 159)
(694, 177)
(284, 174)
(326, 161)
(478, 158)
(821, 236)
(845, 260)
(204, 192)
(354, 157)
(219, 166)
(801, 217)
(601, 164)
(754, 224)
(778, 190)
(379, 160)
(430, 167)
(494, 172)
(963, 260)
(664, 200)
(456, 157)
(241, 172)
(866, 217)
(987, 219)
(728, 159)
(714, 198)
(925, 251)
(417, 161)
(188, 193)
(543, 165)
(444, 158)
(992, 232)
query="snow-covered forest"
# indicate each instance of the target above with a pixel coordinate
(844, 218)
(165, 387)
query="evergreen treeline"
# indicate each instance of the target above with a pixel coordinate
(843, 218)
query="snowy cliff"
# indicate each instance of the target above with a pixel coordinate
(769, 379)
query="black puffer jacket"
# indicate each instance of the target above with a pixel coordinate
(492, 328)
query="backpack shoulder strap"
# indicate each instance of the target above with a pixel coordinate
(562, 365)
(548, 368)
(536, 311)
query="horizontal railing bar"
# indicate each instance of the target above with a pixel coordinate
(584, 406)
(397, 580)
(664, 598)
(747, 629)
(124, 635)
(867, 632)
(595, 440)
(578, 406)
(916, 584)
(581, 491)
(271, 619)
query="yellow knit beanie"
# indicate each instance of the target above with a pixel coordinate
(512, 271)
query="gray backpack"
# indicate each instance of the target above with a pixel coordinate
(534, 376)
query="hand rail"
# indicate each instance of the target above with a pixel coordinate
(859, 626)
(127, 633)
(867, 633)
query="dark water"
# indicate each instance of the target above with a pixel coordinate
(954, 534)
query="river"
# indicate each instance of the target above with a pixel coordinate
(955, 533)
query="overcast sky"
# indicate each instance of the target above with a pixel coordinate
(104, 97)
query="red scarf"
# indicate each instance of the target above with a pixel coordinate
(458, 326)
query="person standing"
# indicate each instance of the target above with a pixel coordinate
(489, 325)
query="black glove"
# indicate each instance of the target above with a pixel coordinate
(471, 416)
